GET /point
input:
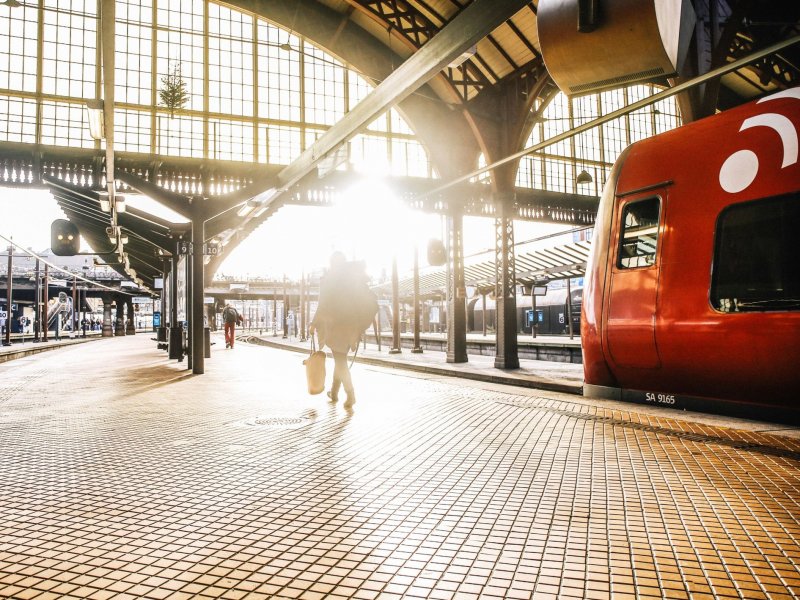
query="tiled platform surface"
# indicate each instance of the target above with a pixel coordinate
(124, 476)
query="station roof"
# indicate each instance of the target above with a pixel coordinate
(512, 48)
(533, 266)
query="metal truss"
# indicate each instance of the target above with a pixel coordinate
(416, 29)
(774, 68)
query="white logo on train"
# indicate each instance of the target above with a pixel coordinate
(740, 169)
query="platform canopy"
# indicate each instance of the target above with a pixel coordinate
(534, 267)
(148, 238)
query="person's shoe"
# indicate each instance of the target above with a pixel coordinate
(333, 397)
(227, 344)
(351, 400)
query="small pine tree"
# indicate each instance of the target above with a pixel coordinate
(173, 92)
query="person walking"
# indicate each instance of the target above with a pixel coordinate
(346, 308)
(230, 316)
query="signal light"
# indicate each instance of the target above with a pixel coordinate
(437, 254)
(65, 239)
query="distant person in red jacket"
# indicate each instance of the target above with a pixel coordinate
(230, 316)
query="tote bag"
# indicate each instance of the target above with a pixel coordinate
(315, 370)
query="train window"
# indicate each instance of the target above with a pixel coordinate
(639, 234)
(755, 259)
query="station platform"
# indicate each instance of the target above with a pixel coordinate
(122, 475)
(22, 347)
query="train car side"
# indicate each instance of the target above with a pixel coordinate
(660, 314)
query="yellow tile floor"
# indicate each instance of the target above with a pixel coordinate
(124, 476)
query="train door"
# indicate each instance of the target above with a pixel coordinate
(633, 292)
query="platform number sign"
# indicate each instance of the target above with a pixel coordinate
(184, 247)
(3, 315)
(211, 249)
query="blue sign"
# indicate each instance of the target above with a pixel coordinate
(529, 316)
(156, 319)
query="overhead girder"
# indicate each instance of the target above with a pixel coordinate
(415, 29)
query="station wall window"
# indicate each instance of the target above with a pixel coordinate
(639, 233)
(279, 145)
(132, 130)
(17, 119)
(18, 42)
(755, 256)
(69, 49)
(279, 75)
(134, 48)
(65, 124)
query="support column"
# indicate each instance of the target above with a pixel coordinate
(275, 313)
(285, 311)
(161, 335)
(46, 301)
(74, 318)
(303, 301)
(507, 355)
(130, 324)
(108, 331)
(456, 291)
(37, 313)
(82, 304)
(569, 310)
(483, 299)
(395, 349)
(416, 349)
(196, 322)
(119, 325)
(175, 328)
(9, 285)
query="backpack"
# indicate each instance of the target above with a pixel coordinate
(362, 302)
(365, 307)
(229, 314)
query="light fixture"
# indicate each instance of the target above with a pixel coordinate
(245, 209)
(11, 3)
(105, 205)
(97, 129)
(260, 212)
(119, 203)
(286, 45)
(123, 239)
(583, 177)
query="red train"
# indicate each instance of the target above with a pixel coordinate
(692, 295)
